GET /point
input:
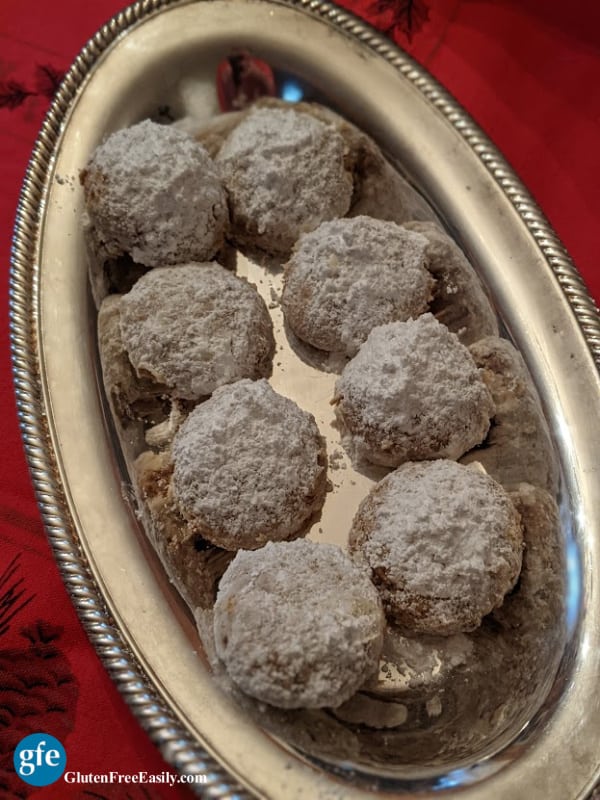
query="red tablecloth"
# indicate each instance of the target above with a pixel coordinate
(527, 71)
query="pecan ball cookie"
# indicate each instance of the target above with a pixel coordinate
(285, 173)
(249, 466)
(195, 327)
(350, 275)
(444, 545)
(411, 393)
(153, 193)
(298, 624)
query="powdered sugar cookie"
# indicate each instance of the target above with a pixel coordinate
(348, 276)
(459, 301)
(212, 133)
(194, 565)
(518, 446)
(250, 466)
(444, 545)
(536, 607)
(379, 190)
(131, 397)
(297, 624)
(195, 327)
(412, 392)
(285, 173)
(155, 194)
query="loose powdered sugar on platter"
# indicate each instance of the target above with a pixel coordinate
(313, 388)
(423, 692)
(308, 377)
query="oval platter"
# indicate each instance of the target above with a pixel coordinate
(146, 637)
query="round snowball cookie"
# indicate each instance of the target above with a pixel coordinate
(348, 276)
(285, 173)
(155, 194)
(411, 393)
(195, 327)
(443, 542)
(298, 625)
(249, 466)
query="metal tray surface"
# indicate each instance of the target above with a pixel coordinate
(146, 637)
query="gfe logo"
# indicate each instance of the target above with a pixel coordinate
(40, 759)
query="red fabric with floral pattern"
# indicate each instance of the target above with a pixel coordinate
(527, 72)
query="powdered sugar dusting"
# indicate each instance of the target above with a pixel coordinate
(413, 392)
(249, 466)
(350, 275)
(423, 662)
(154, 193)
(459, 301)
(419, 667)
(195, 327)
(298, 624)
(285, 174)
(444, 543)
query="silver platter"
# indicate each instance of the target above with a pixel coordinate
(139, 626)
